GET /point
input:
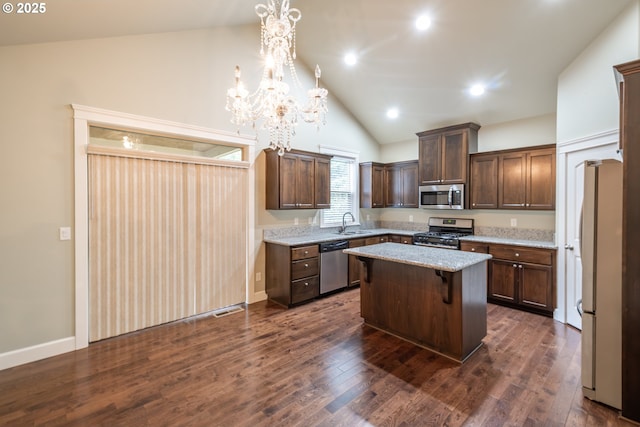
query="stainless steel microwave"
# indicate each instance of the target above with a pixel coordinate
(441, 196)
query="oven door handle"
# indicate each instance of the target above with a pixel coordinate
(450, 196)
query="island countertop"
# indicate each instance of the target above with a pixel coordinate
(421, 256)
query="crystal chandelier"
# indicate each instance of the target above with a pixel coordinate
(272, 102)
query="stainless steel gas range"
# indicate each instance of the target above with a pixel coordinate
(444, 233)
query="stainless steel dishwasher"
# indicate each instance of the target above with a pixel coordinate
(334, 266)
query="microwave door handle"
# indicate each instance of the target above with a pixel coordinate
(450, 197)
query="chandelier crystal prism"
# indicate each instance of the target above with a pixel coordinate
(271, 102)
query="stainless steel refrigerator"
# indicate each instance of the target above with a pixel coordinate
(601, 252)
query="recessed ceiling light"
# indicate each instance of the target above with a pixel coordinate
(477, 90)
(393, 113)
(350, 59)
(423, 22)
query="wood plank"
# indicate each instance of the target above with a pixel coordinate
(314, 365)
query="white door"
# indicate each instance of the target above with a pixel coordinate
(574, 182)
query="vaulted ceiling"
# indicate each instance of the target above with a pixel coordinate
(516, 47)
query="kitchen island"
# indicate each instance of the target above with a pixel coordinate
(435, 298)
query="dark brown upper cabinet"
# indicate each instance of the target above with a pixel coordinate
(484, 181)
(443, 154)
(297, 180)
(523, 178)
(372, 186)
(401, 184)
(527, 179)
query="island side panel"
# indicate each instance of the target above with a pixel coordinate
(474, 306)
(407, 301)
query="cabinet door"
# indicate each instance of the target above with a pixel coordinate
(512, 181)
(541, 176)
(354, 264)
(536, 286)
(453, 169)
(430, 156)
(305, 182)
(377, 183)
(393, 186)
(288, 181)
(484, 182)
(410, 186)
(502, 280)
(323, 184)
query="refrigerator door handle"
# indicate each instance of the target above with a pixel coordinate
(579, 306)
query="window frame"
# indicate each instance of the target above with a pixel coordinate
(353, 156)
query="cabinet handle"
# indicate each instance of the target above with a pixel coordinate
(521, 204)
(515, 265)
(306, 283)
(306, 252)
(473, 204)
(517, 254)
(528, 204)
(473, 249)
(306, 266)
(520, 266)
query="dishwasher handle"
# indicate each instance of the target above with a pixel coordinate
(334, 246)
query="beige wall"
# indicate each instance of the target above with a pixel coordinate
(587, 93)
(181, 77)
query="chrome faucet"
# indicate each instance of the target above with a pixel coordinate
(344, 227)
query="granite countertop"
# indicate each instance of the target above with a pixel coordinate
(330, 236)
(508, 241)
(421, 256)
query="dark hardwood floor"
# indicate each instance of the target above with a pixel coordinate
(312, 365)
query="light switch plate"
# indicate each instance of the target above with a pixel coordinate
(65, 233)
(514, 222)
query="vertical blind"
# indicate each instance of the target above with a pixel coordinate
(167, 240)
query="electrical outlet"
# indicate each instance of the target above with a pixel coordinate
(514, 222)
(310, 221)
(296, 221)
(65, 233)
(368, 217)
(258, 276)
(410, 218)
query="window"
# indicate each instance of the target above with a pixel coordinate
(344, 188)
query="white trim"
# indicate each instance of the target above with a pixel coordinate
(36, 352)
(350, 154)
(603, 145)
(151, 155)
(84, 117)
(584, 143)
(257, 297)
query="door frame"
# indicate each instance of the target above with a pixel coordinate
(83, 117)
(598, 146)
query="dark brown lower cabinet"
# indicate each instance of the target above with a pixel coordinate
(519, 277)
(354, 264)
(292, 274)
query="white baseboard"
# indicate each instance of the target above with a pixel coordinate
(257, 296)
(36, 352)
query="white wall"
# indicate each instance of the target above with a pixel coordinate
(181, 77)
(587, 93)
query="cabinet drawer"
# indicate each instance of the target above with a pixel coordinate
(304, 252)
(305, 289)
(304, 268)
(482, 248)
(376, 240)
(520, 254)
